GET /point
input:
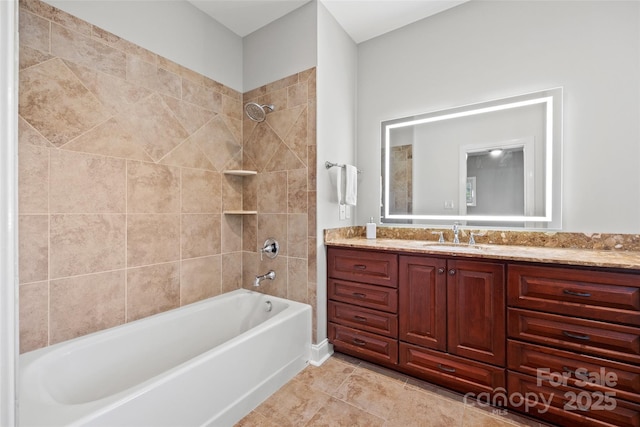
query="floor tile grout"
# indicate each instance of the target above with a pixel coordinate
(373, 393)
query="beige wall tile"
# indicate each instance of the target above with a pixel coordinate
(34, 31)
(201, 191)
(152, 188)
(200, 278)
(296, 139)
(152, 238)
(34, 316)
(33, 248)
(111, 138)
(30, 57)
(297, 235)
(297, 95)
(250, 233)
(88, 243)
(189, 155)
(261, 146)
(273, 226)
(297, 279)
(311, 257)
(153, 126)
(82, 183)
(54, 101)
(311, 216)
(56, 15)
(85, 304)
(169, 83)
(282, 121)
(272, 192)
(297, 191)
(27, 135)
(200, 235)
(232, 192)
(250, 193)
(217, 142)
(201, 95)
(85, 51)
(152, 289)
(232, 271)
(33, 179)
(191, 117)
(113, 92)
(231, 107)
(312, 160)
(231, 233)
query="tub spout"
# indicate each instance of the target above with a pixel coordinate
(270, 275)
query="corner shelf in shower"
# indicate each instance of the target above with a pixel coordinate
(239, 172)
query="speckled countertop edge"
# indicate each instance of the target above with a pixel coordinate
(558, 248)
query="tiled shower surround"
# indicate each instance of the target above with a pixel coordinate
(121, 190)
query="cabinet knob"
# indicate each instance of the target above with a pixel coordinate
(452, 272)
(441, 270)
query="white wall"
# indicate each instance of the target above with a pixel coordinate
(336, 134)
(173, 29)
(282, 48)
(485, 50)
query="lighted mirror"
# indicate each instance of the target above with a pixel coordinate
(492, 164)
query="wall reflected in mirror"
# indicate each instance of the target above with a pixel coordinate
(491, 164)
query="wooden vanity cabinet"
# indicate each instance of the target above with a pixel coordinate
(483, 326)
(582, 325)
(363, 304)
(457, 308)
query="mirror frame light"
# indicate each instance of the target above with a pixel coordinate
(551, 99)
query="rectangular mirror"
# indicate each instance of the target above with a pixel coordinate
(491, 164)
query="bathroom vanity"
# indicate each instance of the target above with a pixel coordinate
(551, 333)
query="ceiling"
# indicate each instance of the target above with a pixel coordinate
(361, 19)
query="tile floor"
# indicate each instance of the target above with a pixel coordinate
(345, 391)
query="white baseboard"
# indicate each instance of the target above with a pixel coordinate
(320, 352)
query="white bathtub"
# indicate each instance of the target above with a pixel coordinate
(205, 364)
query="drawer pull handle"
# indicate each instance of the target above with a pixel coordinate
(576, 294)
(359, 342)
(441, 270)
(360, 318)
(452, 272)
(568, 370)
(360, 267)
(359, 295)
(446, 368)
(576, 336)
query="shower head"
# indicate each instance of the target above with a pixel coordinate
(257, 112)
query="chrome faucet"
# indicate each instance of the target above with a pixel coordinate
(259, 278)
(456, 230)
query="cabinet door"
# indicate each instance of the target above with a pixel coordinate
(423, 301)
(476, 310)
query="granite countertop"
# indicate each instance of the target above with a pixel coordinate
(623, 259)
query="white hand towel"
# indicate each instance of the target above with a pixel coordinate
(351, 187)
(339, 185)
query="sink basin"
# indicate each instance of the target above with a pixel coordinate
(450, 245)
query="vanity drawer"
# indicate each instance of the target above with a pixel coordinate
(450, 371)
(613, 297)
(366, 319)
(379, 268)
(570, 406)
(585, 336)
(377, 297)
(366, 345)
(587, 372)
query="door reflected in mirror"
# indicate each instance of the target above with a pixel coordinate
(491, 164)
